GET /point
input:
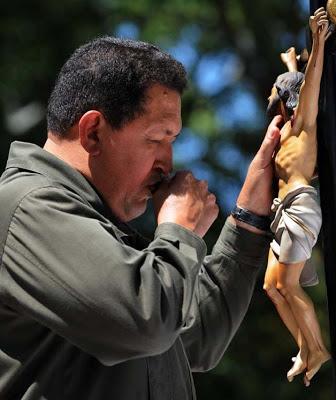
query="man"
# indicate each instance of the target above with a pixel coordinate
(89, 309)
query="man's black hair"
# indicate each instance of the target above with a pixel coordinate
(110, 75)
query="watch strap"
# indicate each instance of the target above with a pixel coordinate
(242, 214)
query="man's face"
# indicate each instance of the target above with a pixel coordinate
(135, 157)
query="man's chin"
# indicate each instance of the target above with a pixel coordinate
(136, 210)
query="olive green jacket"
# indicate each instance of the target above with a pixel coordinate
(89, 309)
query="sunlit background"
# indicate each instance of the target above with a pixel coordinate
(231, 52)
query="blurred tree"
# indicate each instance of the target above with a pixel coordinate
(231, 51)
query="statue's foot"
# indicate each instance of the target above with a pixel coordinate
(302, 58)
(299, 366)
(289, 59)
(314, 362)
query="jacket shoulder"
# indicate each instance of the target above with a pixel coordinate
(14, 187)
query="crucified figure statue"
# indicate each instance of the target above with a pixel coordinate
(297, 218)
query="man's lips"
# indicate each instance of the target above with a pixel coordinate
(155, 183)
(154, 186)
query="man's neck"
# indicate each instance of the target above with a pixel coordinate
(67, 149)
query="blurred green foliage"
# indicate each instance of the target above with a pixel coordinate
(231, 51)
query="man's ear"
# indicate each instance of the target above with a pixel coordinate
(91, 128)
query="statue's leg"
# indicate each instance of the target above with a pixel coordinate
(303, 310)
(286, 314)
(289, 58)
(270, 286)
(302, 59)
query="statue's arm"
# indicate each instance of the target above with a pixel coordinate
(306, 114)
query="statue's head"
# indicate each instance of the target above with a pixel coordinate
(331, 10)
(284, 96)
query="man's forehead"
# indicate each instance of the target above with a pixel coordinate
(166, 115)
(170, 116)
(163, 110)
(162, 97)
(171, 128)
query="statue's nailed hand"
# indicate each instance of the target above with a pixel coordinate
(319, 24)
(256, 194)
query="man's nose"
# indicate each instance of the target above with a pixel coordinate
(164, 160)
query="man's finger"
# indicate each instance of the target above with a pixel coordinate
(271, 139)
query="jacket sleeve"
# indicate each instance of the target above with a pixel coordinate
(222, 294)
(63, 266)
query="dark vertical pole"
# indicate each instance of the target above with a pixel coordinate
(326, 126)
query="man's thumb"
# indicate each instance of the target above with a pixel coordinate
(270, 141)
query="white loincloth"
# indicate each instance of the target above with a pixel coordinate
(296, 226)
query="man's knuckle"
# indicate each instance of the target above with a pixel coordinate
(212, 197)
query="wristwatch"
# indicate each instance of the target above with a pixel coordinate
(242, 214)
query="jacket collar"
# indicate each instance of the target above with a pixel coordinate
(30, 157)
